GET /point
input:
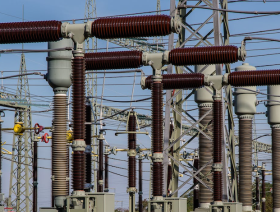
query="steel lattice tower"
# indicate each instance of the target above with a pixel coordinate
(91, 78)
(20, 192)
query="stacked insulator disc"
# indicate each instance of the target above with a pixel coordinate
(113, 60)
(178, 81)
(157, 138)
(276, 166)
(138, 26)
(206, 153)
(132, 146)
(245, 158)
(78, 170)
(204, 55)
(27, 32)
(60, 160)
(88, 143)
(78, 94)
(248, 78)
(218, 139)
(100, 166)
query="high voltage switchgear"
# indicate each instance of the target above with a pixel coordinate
(60, 77)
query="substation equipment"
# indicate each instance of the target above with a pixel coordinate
(60, 78)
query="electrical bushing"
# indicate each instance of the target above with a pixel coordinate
(59, 65)
(245, 99)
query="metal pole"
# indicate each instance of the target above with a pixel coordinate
(263, 187)
(0, 156)
(35, 169)
(106, 189)
(140, 185)
(257, 192)
(167, 112)
(196, 188)
(100, 166)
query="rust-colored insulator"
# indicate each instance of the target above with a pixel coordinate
(218, 186)
(100, 166)
(218, 130)
(204, 55)
(106, 170)
(178, 81)
(254, 78)
(78, 95)
(88, 126)
(113, 60)
(78, 170)
(27, 32)
(157, 179)
(137, 26)
(218, 139)
(88, 168)
(157, 138)
(132, 128)
(132, 171)
(157, 119)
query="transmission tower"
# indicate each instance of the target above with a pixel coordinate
(91, 78)
(20, 192)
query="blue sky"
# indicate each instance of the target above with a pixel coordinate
(11, 11)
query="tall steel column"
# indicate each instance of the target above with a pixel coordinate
(20, 191)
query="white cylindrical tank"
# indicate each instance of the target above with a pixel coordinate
(273, 104)
(245, 101)
(203, 95)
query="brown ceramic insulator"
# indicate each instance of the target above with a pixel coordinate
(206, 154)
(78, 170)
(218, 130)
(157, 118)
(131, 172)
(254, 78)
(88, 143)
(88, 168)
(78, 95)
(276, 166)
(132, 128)
(137, 26)
(88, 126)
(113, 60)
(100, 165)
(204, 55)
(140, 202)
(245, 161)
(106, 170)
(257, 192)
(195, 190)
(157, 179)
(60, 156)
(27, 32)
(178, 81)
(218, 186)
(169, 175)
(217, 153)
(263, 191)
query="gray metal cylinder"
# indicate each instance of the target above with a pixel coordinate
(273, 105)
(276, 166)
(206, 154)
(203, 95)
(60, 163)
(245, 101)
(59, 64)
(245, 162)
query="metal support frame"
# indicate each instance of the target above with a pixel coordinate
(218, 20)
(20, 190)
(91, 79)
